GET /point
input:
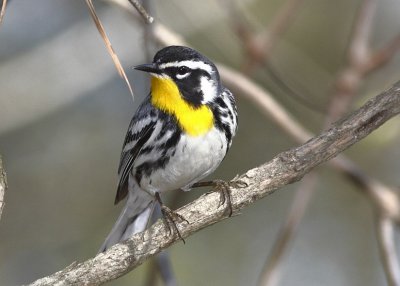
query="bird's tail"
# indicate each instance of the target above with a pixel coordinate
(133, 219)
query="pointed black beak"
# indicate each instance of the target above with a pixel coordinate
(151, 68)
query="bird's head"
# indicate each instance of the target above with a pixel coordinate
(184, 72)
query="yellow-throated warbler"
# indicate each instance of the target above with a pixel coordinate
(179, 135)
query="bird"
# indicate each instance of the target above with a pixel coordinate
(179, 135)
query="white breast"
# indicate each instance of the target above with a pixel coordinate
(194, 159)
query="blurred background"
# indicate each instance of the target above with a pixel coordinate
(64, 112)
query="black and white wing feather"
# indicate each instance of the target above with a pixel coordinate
(140, 130)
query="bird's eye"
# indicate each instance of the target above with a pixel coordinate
(183, 70)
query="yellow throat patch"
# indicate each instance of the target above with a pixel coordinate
(165, 95)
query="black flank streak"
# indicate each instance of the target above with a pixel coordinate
(148, 167)
(220, 125)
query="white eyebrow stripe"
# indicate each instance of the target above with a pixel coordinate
(190, 64)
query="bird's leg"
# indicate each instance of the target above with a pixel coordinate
(170, 217)
(224, 190)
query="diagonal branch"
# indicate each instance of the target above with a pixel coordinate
(286, 168)
(142, 11)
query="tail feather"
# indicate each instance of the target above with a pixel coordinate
(139, 224)
(133, 219)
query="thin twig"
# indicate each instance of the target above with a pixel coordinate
(268, 38)
(258, 47)
(148, 34)
(384, 198)
(382, 56)
(385, 231)
(109, 47)
(361, 61)
(3, 10)
(264, 101)
(349, 79)
(271, 273)
(358, 50)
(286, 168)
(142, 11)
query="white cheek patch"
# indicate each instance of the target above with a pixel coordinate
(181, 76)
(208, 88)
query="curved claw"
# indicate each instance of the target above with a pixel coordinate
(224, 190)
(170, 217)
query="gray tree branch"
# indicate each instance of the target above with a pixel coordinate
(286, 168)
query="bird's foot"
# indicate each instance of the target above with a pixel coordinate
(170, 218)
(224, 190)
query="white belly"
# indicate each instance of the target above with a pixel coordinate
(194, 159)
